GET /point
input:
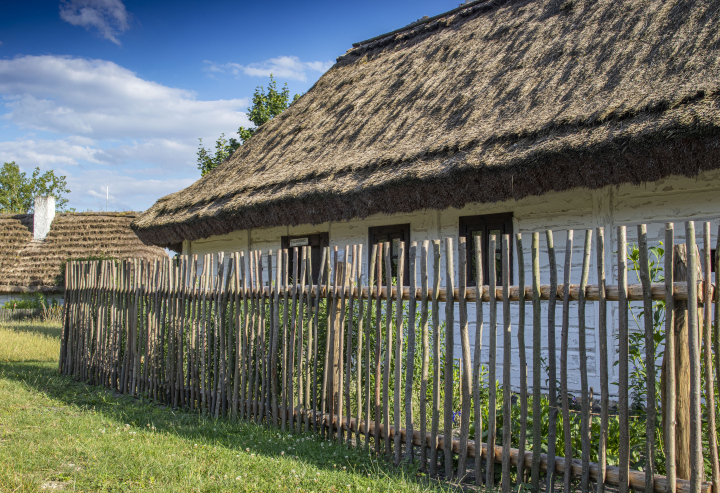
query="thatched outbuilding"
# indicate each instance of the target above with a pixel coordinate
(502, 116)
(29, 265)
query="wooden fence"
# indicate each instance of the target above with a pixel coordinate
(351, 357)
(8, 315)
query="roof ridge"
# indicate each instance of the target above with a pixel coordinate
(464, 9)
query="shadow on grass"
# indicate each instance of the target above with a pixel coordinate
(235, 435)
(33, 327)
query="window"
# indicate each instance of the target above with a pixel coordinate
(316, 242)
(484, 226)
(393, 235)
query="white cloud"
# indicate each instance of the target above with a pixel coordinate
(282, 67)
(30, 153)
(103, 100)
(109, 17)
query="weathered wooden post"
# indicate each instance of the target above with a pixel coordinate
(682, 372)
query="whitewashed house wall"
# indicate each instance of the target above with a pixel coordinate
(672, 199)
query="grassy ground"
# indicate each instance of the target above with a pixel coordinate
(57, 434)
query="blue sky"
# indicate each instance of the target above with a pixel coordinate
(116, 92)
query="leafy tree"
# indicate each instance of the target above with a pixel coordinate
(18, 190)
(266, 106)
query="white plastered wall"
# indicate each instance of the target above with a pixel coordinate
(672, 199)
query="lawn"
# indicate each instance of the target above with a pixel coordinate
(58, 434)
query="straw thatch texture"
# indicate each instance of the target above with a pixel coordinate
(29, 266)
(499, 100)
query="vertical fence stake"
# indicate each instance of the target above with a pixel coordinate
(623, 370)
(410, 368)
(708, 358)
(449, 356)
(649, 356)
(537, 347)
(465, 392)
(567, 478)
(436, 359)
(424, 372)
(602, 334)
(522, 439)
(507, 363)
(477, 363)
(696, 458)
(492, 379)
(552, 363)
(584, 400)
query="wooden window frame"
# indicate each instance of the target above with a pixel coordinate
(400, 230)
(485, 223)
(321, 241)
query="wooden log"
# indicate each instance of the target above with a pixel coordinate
(623, 350)
(564, 358)
(492, 367)
(696, 457)
(604, 371)
(410, 366)
(585, 409)
(436, 359)
(716, 335)
(507, 363)
(708, 360)
(477, 370)
(649, 356)
(636, 478)
(522, 359)
(633, 293)
(424, 371)
(398, 351)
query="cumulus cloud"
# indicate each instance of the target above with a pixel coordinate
(103, 100)
(282, 67)
(99, 124)
(109, 17)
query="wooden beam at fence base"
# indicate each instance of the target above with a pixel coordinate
(592, 292)
(636, 479)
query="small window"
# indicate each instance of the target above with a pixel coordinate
(484, 226)
(316, 242)
(393, 235)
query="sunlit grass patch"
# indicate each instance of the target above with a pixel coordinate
(60, 435)
(29, 341)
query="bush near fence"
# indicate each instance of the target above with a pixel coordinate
(367, 363)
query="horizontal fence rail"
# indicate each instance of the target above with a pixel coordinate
(368, 358)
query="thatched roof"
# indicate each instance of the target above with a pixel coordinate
(493, 101)
(29, 266)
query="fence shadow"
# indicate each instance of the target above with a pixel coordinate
(141, 414)
(34, 327)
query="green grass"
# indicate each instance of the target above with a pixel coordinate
(58, 434)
